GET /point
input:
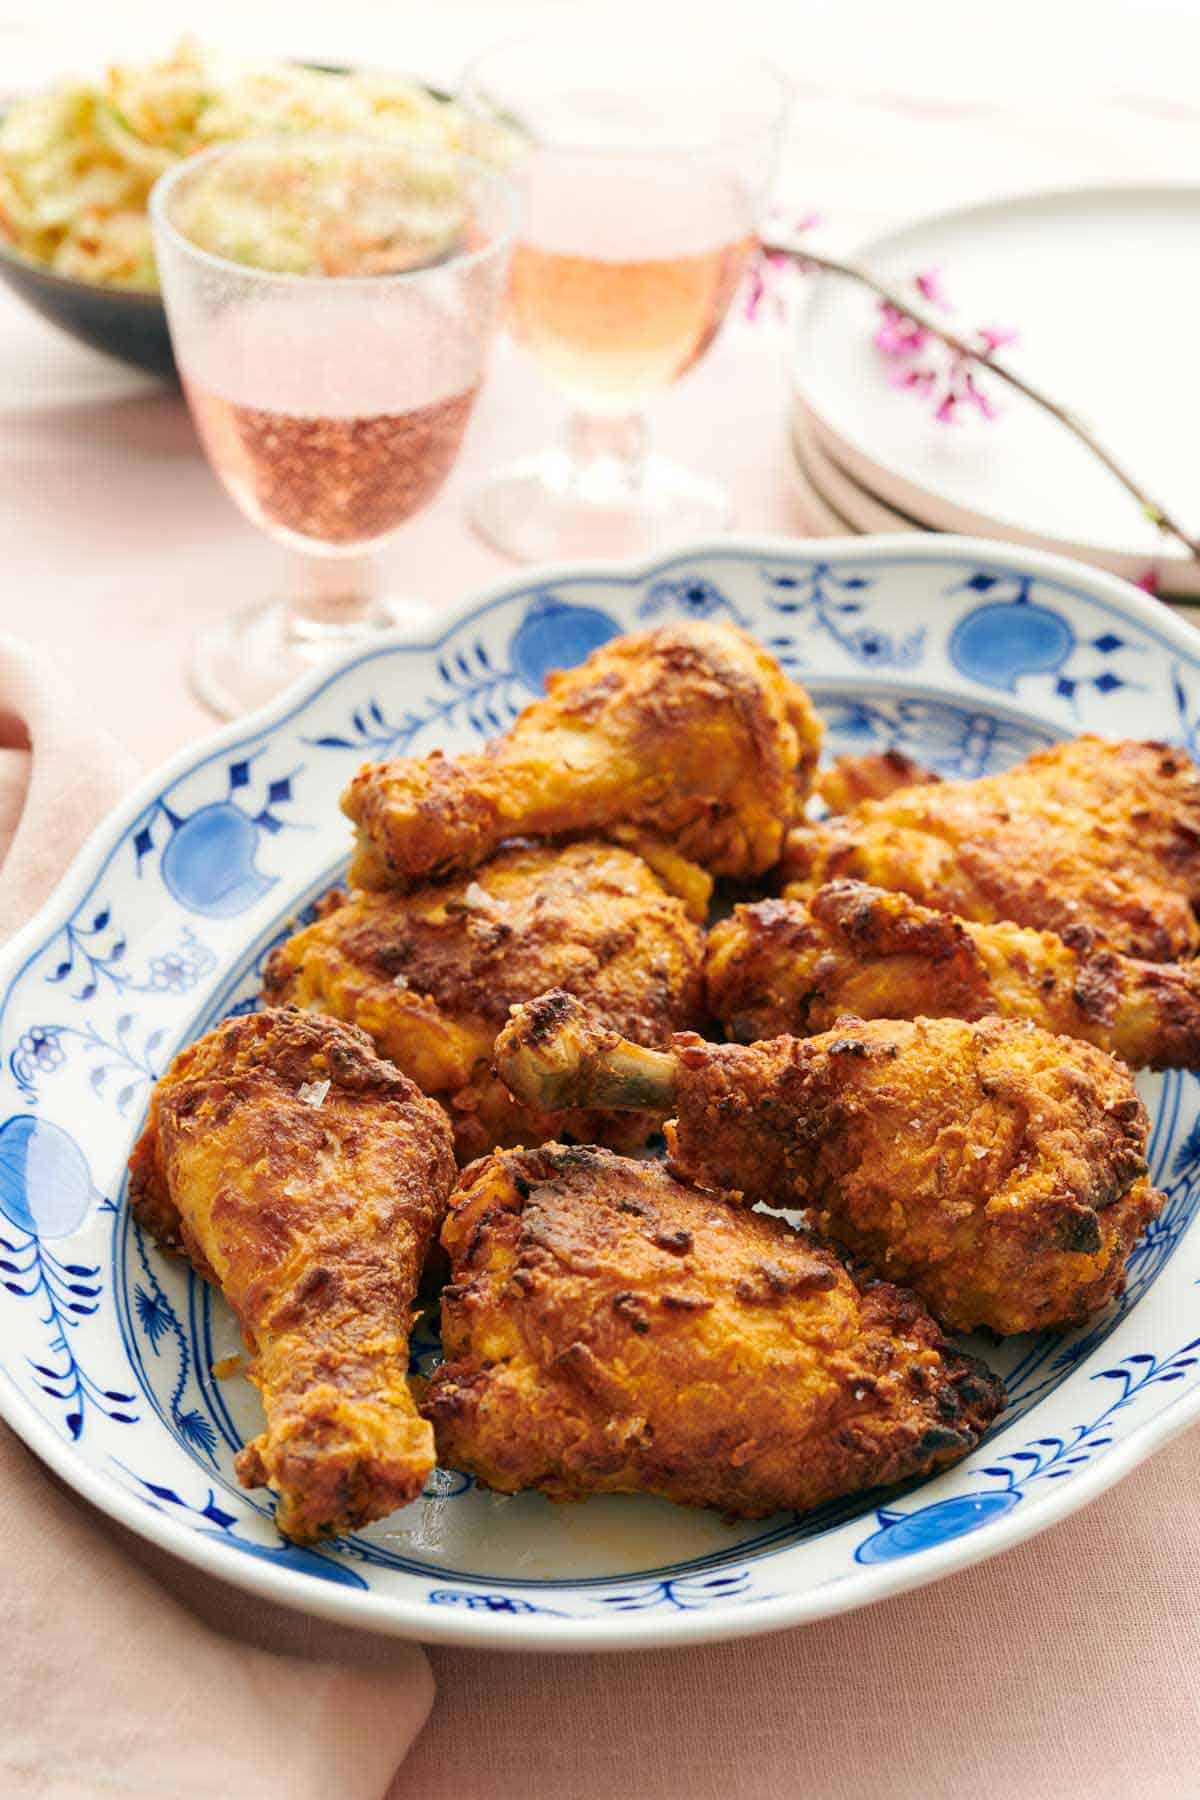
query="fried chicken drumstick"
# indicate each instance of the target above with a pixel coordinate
(997, 1171)
(789, 966)
(306, 1177)
(1103, 835)
(431, 976)
(611, 1330)
(691, 734)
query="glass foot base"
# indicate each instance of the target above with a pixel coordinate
(238, 666)
(545, 508)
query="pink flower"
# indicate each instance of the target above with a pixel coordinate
(943, 375)
(928, 283)
(771, 270)
(914, 378)
(897, 335)
(995, 337)
(975, 394)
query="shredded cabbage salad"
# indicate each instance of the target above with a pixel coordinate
(77, 163)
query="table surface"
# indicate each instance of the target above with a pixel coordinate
(117, 543)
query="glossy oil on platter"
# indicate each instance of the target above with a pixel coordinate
(965, 654)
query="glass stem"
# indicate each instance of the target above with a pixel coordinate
(606, 454)
(331, 597)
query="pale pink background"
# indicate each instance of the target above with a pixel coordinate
(1069, 1667)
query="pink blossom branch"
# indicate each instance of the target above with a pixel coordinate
(986, 358)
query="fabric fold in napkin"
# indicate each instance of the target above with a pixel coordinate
(108, 1684)
(59, 775)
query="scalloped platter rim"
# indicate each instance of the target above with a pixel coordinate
(966, 653)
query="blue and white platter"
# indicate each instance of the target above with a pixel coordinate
(966, 654)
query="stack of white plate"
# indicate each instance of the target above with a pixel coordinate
(1103, 288)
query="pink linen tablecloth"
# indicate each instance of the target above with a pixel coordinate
(1069, 1667)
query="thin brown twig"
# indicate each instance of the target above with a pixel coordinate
(928, 321)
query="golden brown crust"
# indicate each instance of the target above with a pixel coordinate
(691, 733)
(789, 966)
(1087, 833)
(307, 1176)
(431, 976)
(849, 780)
(610, 1330)
(996, 1170)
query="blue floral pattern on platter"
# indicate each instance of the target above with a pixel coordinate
(966, 660)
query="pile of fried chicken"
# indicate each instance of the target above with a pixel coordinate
(919, 1035)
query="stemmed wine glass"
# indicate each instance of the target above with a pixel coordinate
(641, 178)
(331, 301)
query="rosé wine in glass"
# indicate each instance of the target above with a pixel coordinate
(641, 177)
(329, 480)
(612, 327)
(331, 447)
(331, 302)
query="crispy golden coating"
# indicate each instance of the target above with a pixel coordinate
(610, 1330)
(306, 1177)
(431, 976)
(789, 966)
(1104, 835)
(996, 1170)
(691, 734)
(849, 780)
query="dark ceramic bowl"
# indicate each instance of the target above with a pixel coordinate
(123, 323)
(120, 321)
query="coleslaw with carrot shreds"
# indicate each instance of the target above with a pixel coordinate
(77, 163)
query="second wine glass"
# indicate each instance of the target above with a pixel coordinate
(641, 178)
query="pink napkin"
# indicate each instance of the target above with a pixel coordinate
(58, 777)
(108, 1683)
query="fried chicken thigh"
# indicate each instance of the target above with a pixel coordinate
(306, 1177)
(611, 1330)
(996, 1170)
(1103, 835)
(691, 735)
(431, 976)
(789, 966)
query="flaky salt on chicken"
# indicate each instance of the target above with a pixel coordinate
(998, 1171)
(1087, 833)
(306, 1177)
(609, 1329)
(431, 976)
(690, 737)
(793, 966)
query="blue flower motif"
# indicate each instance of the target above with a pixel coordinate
(492, 1603)
(40, 1048)
(178, 971)
(169, 973)
(829, 602)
